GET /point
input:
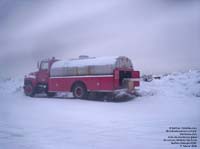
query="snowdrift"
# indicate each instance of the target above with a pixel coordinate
(177, 84)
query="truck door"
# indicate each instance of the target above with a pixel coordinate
(43, 73)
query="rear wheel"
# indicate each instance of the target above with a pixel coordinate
(80, 91)
(29, 90)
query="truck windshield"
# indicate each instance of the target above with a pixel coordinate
(44, 66)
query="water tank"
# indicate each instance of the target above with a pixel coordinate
(89, 66)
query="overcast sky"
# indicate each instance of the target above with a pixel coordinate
(158, 35)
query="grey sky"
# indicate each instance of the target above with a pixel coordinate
(158, 35)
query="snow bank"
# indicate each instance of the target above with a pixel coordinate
(11, 85)
(179, 84)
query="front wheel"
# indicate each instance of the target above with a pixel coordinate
(80, 91)
(29, 90)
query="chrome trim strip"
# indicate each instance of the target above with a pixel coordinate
(88, 76)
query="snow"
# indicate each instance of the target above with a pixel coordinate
(179, 84)
(10, 85)
(49, 123)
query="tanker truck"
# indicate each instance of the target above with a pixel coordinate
(82, 76)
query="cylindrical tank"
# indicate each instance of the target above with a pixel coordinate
(89, 66)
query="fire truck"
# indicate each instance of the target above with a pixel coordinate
(82, 76)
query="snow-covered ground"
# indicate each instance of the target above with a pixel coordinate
(61, 123)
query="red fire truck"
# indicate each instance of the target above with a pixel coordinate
(82, 76)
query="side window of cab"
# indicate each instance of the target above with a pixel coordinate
(44, 66)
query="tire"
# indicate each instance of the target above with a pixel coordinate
(80, 91)
(29, 90)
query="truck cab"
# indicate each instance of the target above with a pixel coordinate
(37, 82)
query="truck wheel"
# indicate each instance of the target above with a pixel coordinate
(29, 90)
(80, 91)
